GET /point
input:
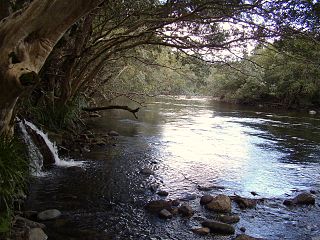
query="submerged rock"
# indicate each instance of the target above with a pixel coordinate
(49, 214)
(201, 231)
(186, 210)
(220, 203)
(301, 199)
(219, 227)
(245, 203)
(37, 234)
(158, 205)
(189, 197)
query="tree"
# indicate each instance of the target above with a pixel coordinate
(26, 39)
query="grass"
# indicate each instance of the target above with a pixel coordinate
(14, 172)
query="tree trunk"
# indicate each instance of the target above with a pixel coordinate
(26, 39)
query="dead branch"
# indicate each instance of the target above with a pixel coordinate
(133, 111)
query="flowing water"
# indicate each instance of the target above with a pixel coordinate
(188, 143)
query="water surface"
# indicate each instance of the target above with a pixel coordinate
(188, 143)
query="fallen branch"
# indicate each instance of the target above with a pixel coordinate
(93, 109)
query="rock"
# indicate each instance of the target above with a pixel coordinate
(157, 205)
(304, 199)
(254, 193)
(244, 237)
(245, 203)
(186, 210)
(163, 193)
(113, 133)
(219, 227)
(201, 231)
(29, 223)
(49, 214)
(206, 199)
(229, 219)
(313, 191)
(164, 213)
(146, 171)
(301, 199)
(243, 229)
(220, 203)
(37, 234)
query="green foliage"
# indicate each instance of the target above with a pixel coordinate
(286, 73)
(55, 115)
(14, 171)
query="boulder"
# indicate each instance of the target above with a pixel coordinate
(201, 231)
(37, 234)
(164, 213)
(219, 227)
(49, 214)
(220, 203)
(206, 199)
(157, 205)
(229, 218)
(186, 210)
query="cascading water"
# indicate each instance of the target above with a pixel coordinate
(34, 152)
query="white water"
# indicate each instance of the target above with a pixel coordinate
(34, 153)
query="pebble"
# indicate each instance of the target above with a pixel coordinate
(49, 214)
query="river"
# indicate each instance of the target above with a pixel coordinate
(187, 143)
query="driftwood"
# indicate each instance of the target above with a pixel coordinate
(133, 111)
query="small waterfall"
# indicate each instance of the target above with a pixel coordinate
(35, 153)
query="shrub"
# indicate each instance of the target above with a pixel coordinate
(14, 171)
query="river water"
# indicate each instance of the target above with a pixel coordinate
(187, 143)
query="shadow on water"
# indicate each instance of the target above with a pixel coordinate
(186, 143)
